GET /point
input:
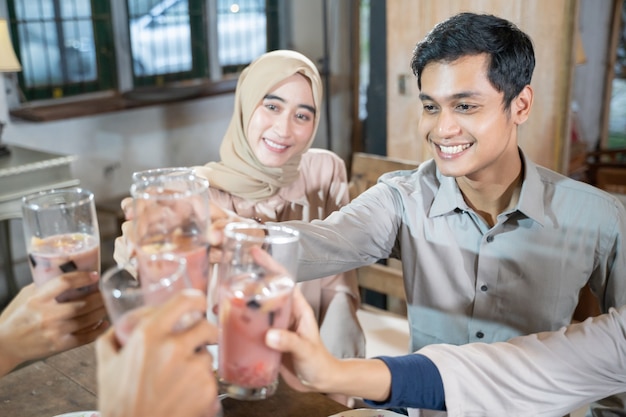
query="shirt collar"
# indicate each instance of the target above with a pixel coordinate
(448, 197)
(531, 203)
(531, 200)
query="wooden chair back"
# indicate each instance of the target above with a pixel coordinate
(606, 169)
(365, 171)
(367, 168)
(612, 179)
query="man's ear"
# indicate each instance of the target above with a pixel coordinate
(520, 106)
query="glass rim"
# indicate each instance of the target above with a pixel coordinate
(161, 172)
(137, 189)
(37, 201)
(274, 233)
(130, 266)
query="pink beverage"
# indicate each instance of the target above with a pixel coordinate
(124, 291)
(250, 304)
(195, 252)
(58, 254)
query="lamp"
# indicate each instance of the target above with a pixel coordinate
(8, 63)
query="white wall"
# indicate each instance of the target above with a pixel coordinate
(111, 146)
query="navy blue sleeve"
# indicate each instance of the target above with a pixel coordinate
(415, 383)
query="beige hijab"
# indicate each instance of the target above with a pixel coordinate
(240, 172)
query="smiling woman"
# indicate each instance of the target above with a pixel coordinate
(268, 172)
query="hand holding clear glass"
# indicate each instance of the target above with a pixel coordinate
(61, 234)
(171, 215)
(124, 290)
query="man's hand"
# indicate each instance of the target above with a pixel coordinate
(306, 362)
(164, 369)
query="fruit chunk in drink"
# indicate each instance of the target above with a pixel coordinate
(250, 304)
(59, 254)
(188, 246)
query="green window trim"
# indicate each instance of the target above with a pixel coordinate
(106, 68)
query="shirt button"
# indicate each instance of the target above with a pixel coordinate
(489, 238)
(480, 335)
(483, 288)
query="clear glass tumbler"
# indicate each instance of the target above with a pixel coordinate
(62, 235)
(256, 282)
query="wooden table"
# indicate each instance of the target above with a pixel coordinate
(67, 382)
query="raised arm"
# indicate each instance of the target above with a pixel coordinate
(547, 374)
(543, 374)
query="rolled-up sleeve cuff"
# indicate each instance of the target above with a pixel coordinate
(415, 383)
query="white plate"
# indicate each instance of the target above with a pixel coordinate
(367, 412)
(80, 414)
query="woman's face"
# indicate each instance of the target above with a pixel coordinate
(282, 124)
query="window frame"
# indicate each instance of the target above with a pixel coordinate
(114, 61)
(102, 30)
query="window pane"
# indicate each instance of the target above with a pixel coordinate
(75, 8)
(80, 53)
(160, 37)
(38, 9)
(241, 28)
(56, 42)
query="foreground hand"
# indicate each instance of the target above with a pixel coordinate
(306, 361)
(124, 249)
(160, 371)
(35, 324)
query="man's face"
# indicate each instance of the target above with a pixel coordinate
(464, 120)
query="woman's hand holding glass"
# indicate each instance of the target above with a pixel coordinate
(171, 215)
(219, 218)
(35, 324)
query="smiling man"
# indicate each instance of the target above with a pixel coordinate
(492, 245)
(472, 132)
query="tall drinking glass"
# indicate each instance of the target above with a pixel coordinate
(124, 291)
(171, 215)
(61, 234)
(256, 282)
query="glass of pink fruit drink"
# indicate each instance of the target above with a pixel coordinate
(171, 215)
(256, 282)
(61, 235)
(124, 289)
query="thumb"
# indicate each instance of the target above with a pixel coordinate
(282, 340)
(106, 345)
